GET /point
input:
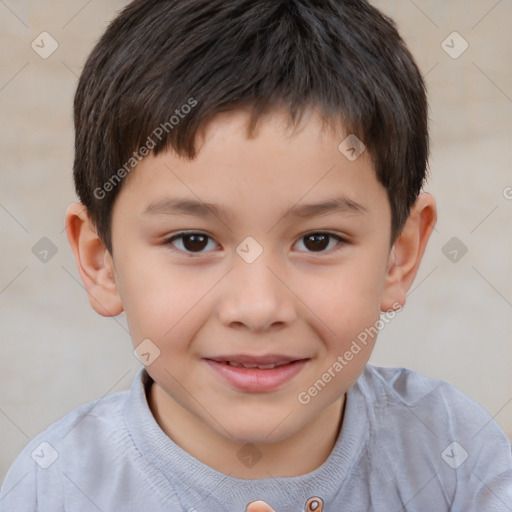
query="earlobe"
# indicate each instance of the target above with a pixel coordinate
(407, 252)
(94, 263)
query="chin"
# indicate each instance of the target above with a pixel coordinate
(258, 433)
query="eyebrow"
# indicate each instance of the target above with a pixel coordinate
(193, 207)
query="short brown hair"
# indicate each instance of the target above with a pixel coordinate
(342, 57)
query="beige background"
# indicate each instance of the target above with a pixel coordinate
(56, 353)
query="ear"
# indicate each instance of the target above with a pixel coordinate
(94, 262)
(407, 252)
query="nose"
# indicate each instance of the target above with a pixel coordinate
(256, 296)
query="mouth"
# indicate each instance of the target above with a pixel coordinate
(260, 366)
(263, 362)
(256, 373)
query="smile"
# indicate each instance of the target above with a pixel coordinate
(256, 377)
(260, 366)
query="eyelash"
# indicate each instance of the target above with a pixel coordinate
(181, 235)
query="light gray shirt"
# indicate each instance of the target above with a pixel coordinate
(408, 443)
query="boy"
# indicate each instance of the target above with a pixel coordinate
(250, 178)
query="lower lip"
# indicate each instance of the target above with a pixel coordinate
(254, 380)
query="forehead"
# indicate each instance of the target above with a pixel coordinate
(273, 121)
(302, 166)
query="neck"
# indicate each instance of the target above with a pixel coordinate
(303, 452)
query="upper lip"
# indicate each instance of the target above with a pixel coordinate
(256, 359)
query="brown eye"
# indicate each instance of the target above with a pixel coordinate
(319, 242)
(194, 242)
(190, 242)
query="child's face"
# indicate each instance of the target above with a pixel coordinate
(208, 299)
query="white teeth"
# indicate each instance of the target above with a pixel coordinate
(251, 365)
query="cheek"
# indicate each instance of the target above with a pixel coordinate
(161, 301)
(346, 309)
(346, 298)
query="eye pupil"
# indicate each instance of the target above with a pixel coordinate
(320, 241)
(198, 242)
